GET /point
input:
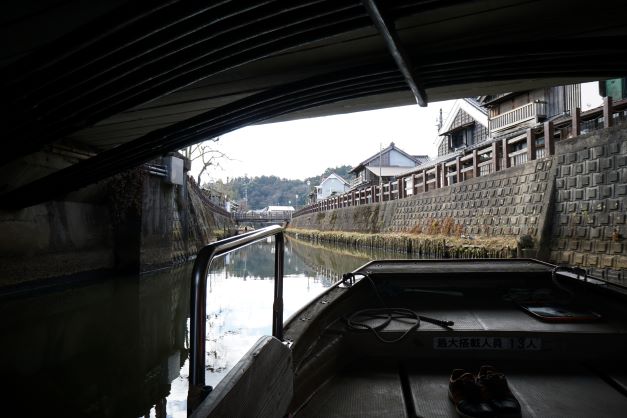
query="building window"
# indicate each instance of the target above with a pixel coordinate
(462, 138)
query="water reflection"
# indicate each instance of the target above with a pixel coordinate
(105, 349)
(118, 347)
(332, 260)
(239, 300)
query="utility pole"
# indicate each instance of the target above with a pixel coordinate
(246, 189)
(380, 178)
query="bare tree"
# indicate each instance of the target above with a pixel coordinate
(207, 155)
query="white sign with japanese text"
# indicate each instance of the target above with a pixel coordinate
(487, 343)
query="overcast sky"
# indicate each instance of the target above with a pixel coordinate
(305, 148)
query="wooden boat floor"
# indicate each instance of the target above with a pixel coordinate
(359, 393)
(575, 392)
(559, 394)
(500, 316)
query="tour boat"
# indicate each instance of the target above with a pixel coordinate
(383, 342)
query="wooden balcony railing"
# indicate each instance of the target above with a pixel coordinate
(355, 182)
(523, 113)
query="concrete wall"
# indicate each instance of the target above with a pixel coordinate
(571, 207)
(173, 223)
(133, 222)
(62, 237)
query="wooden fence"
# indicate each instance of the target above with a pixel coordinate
(484, 158)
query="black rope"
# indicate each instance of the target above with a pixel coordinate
(388, 315)
(359, 320)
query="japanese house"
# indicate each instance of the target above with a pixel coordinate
(385, 166)
(331, 185)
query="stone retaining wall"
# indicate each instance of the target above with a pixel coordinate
(590, 203)
(569, 208)
(176, 223)
(505, 203)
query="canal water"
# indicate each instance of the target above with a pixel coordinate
(118, 347)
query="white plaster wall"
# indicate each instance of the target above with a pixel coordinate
(399, 160)
(331, 185)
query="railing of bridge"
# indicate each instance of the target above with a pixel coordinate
(263, 217)
(482, 159)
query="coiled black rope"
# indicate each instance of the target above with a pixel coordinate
(388, 315)
(360, 320)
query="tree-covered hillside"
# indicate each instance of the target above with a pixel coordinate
(271, 190)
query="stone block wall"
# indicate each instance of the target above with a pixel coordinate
(510, 203)
(589, 221)
(573, 205)
(202, 223)
(505, 203)
(175, 224)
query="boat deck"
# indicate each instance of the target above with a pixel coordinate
(406, 391)
(394, 368)
(555, 369)
(486, 326)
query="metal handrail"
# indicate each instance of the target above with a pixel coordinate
(198, 298)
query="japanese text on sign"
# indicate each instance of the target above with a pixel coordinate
(487, 343)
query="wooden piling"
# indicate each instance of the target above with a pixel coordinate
(576, 121)
(549, 138)
(608, 112)
(531, 145)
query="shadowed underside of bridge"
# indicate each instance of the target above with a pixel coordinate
(128, 81)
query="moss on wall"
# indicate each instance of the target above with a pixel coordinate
(439, 246)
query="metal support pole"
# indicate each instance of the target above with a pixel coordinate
(393, 43)
(277, 306)
(198, 302)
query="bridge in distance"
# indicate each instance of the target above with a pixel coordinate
(242, 217)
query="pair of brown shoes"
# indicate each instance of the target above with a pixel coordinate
(485, 395)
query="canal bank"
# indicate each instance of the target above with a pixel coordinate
(138, 221)
(418, 245)
(568, 208)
